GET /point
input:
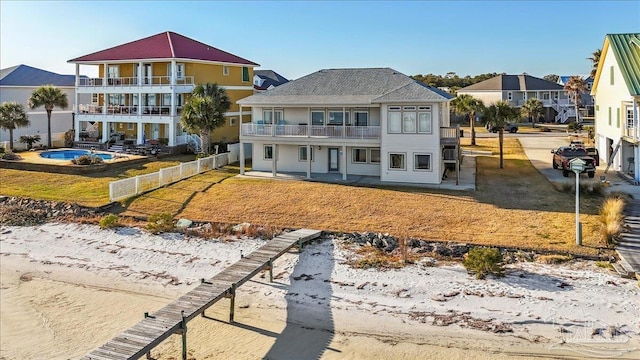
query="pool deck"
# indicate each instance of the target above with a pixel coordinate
(33, 157)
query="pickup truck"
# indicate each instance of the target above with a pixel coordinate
(564, 154)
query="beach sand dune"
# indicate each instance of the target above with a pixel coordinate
(68, 288)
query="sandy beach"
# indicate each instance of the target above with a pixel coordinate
(68, 288)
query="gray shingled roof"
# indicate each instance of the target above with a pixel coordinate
(348, 87)
(269, 78)
(23, 75)
(513, 83)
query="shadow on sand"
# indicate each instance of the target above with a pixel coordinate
(310, 327)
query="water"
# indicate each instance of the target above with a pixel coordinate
(72, 154)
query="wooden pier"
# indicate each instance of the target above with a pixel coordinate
(173, 318)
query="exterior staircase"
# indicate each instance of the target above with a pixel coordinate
(628, 247)
(565, 111)
(194, 143)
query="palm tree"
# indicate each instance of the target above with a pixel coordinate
(574, 87)
(204, 111)
(499, 114)
(466, 104)
(532, 108)
(12, 116)
(595, 60)
(49, 97)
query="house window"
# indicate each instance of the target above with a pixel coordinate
(509, 96)
(233, 121)
(268, 152)
(359, 156)
(409, 122)
(618, 117)
(179, 71)
(302, 153)
(112, 71)
(245, 74)
(317, 117)
(611, 75)
(424, 122)
(361, 118)
(335, 117)
(629, 118)
(268, 116)
(395, 122)
(130, 126)
(609, 115)
(166, 99)
(422, 162)
(555, 95)
(94, 98)
(396, 161)
(225, 70)
(116, 99)
(375, 156)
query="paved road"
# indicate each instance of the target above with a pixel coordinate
(538, 150)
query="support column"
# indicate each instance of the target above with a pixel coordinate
(232, 302)
(77, 96)
(274, 160)
(183, 328)
(308, 161)
(140, 70)
(139, 134)
(105, 84)
(344, 162)
(105, 131)
(241, 158)
(172, 134)
(172, 111)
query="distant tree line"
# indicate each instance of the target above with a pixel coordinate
(452, 80)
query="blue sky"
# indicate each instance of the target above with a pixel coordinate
(296, 38)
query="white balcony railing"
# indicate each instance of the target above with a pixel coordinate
(121, 110)
(133, 81)
(347, 132)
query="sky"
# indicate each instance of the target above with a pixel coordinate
(296, 38)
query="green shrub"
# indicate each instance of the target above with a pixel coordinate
(484, 261)
(29, 140)
(611, 219)
(201, 155)
(10, 155)
(160, 222)
(108, 222)
(87, 160)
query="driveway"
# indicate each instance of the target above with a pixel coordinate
(538, 148)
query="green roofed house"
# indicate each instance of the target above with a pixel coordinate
(616, 90)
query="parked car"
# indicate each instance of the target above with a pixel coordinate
(564, 154)
(593, 152)
(512, 128)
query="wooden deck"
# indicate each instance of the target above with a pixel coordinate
(171, 319)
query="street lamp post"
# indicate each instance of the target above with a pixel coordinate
(577, 165)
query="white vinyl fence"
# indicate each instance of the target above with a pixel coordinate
(125, 188)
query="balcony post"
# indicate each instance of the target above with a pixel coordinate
(344, 162)
(308, 161)
(274, 160)
(241, 158)
(172, 134)
(75, 105)
(105, 131)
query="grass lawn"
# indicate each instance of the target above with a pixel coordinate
(515, 206)
(89, 190)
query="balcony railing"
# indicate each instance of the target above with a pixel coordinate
(347, 132)
(133, 81)
(122, 110)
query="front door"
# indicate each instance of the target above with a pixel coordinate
(334, 159)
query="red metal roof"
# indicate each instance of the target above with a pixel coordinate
(165, 45)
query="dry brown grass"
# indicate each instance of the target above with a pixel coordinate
(515, 207)
(612, 219)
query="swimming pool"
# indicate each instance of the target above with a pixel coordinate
(72, 154)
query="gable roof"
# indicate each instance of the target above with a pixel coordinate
(166, 45)
(269, 78)
(23, 75)
(513, 83)
(348, 87)
(626, 49)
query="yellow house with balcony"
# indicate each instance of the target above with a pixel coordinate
(143, 85)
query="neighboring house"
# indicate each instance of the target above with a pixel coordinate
(267, 80)
(18, 82)
(371, 121)
(516, 89)
(586, 100)
(143, 85)
(616, 90)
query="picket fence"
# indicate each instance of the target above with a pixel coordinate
(125, 188)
